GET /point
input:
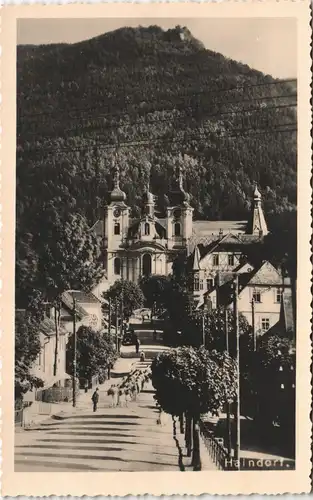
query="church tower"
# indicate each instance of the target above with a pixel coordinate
(257, 225)
(149, 203)
(179, 213)
(116, 224)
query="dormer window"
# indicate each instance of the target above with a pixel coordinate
(177, 231)
(117, 228)
(147, 229)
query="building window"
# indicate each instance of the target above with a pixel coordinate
(201, 284)
(215, 259)
(265, 324)
(231, 260)
(146, 264)
(117, 266)
(177, 229)
(147, 229)
(278, 296)
(196, 284)
(256, 296)
(209, 283)
(117, 228)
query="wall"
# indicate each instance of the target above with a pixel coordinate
(43, 367)
(267, 308)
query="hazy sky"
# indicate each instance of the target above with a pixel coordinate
(266, 44)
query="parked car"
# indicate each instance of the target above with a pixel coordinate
(129, 338)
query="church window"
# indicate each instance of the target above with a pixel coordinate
(177, 229)
(201, 284)
(146, 264)
(117, 266)
(215, 259)
(265, 324)
(117, 228)
(196, 284)
(231, 260)
(147, 229)
(257, 296)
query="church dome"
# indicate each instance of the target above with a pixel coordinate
(148, 197)
(257, 195)
(117, 195)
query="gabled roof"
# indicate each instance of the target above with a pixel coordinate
(267, 274)
(47, 327)
(84, 297)
(67, 300)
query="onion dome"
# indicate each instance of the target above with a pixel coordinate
(148, 197)
(178, 195)
(117, 195)
(257, 195)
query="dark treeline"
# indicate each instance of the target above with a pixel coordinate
(157, 94)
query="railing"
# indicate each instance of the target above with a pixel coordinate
(215, 447)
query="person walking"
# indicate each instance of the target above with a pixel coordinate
(137, 345)
(95, 399)
(86, 385)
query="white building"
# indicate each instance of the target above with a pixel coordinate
(149, 244)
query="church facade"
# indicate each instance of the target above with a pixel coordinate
(148, 245)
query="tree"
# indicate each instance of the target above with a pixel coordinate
(95, 352)
(69, 257)
(125, 294)
(154, 289)
(27, 349)
(193, 381)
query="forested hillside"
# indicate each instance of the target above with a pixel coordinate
(157, 94)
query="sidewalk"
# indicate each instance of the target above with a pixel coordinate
(60, 410)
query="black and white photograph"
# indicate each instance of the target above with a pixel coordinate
(156, 245)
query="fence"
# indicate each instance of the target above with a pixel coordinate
(56, 394)
(215, 447)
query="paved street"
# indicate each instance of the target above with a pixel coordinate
(113, 439)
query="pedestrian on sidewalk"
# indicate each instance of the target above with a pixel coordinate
(137, 345)
(95, 399)
(113, 391)
(86, 385)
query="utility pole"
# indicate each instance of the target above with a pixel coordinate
(237, 412)
(203, 327)
(75, 351)
(116, 324)
(122, 311)
(110, 317)
(253, 323)
(228, 407)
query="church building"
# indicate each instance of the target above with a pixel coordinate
(148, 245)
